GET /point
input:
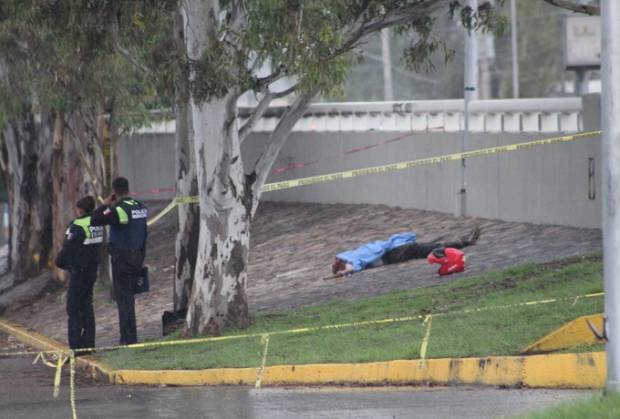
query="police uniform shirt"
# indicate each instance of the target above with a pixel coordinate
(81, 247)
(127, 221)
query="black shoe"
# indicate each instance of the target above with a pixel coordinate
(473, 236)
(83, 352)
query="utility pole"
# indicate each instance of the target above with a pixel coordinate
(471, 93)
(388, 92)
(610, 74)
(581, 81)
(486, 57)
(514, 49)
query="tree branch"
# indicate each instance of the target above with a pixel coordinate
(94, 181)
(277, 139)
(260, 109)
(267, 80)
(576, 7)
(256, 115)
(286, 92)
(123, 51)
(392, 18)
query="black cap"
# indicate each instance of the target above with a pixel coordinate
(86, 203)
(120, 185)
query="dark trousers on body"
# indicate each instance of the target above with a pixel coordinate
(126, 265)
(81, 323)
(417, 251)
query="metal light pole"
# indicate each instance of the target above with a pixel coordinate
(610, 74)
(515, 51)
(388, 92)
(471, 93)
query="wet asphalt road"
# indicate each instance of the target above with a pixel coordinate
(26, 392)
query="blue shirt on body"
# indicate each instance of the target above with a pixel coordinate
(369, 253)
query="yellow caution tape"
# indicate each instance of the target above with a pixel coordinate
(179, 200)
(163, 212)
(311, 180)
(72, 384)
(265, 342)
(331, 326)
(316, 328)
(428, 321)
(287, 184)
(187, 200)
(61, 359)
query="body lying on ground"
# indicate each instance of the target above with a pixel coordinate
(398, 248)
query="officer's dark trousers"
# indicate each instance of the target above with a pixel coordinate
(81, 324)
(416, 251)
(126, 265)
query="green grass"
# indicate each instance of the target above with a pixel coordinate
(453, 334)
(599, 407)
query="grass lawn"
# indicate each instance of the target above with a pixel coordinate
(600, 407)
(453, 333)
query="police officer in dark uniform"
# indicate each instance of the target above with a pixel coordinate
(127, 220)
(80, 255)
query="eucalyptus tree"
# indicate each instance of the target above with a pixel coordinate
(312, 42)
(75, 76)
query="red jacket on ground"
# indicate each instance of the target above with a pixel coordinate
(451, 260)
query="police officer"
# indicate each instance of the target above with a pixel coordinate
(127, 220)
(80, 256)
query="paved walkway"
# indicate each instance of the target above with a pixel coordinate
(292, 248)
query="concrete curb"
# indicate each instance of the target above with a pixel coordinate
(585, 370)
(574, 333)
(41, 342)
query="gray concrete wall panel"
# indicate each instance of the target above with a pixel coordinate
(147, 161)
(545, 184)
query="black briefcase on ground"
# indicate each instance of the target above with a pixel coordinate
(142, 281)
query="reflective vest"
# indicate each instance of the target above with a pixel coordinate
(93, 234)
(130, 233)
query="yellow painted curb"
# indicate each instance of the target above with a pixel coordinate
(31, 338)
(586, 370)
(217, 376)
(574, 333)
(41, 342)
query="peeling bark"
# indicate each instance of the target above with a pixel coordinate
(28, 139)
(218, 296)
(64, 163)
(227, 196)
(70, 180)
(186, 244)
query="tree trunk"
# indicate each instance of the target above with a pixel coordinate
(63, 164)
(70, 181)
(29, 146)
(186, 245)
(218, 296)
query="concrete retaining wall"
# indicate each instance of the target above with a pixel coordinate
(147, 160)
(555, 184)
